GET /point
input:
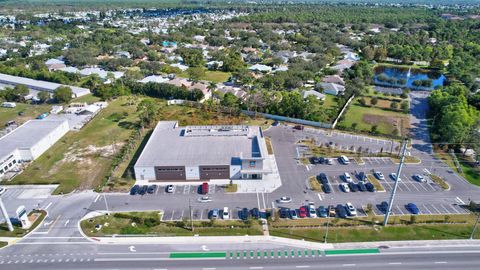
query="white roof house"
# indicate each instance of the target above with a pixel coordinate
(154, 78)
(332, 88)
(314, 93)
(260, 68)
(180, 66)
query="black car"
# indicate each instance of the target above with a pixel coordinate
(353, 187)
(284, 212)
(362, 176)
(151, 189)
(275, 123)
(134, 190)
(143, 190)
(314, 160)
(326, 188)
(361, 186)
(341, 212)
(383, 207)
(243, 214)
(370, 187)
(255, 213)
(322, 178)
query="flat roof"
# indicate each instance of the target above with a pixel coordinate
(27, 135)
(49, 86)
(171, 145)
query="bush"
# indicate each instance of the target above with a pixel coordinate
(151, 222)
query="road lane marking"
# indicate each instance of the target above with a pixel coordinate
(440, 262)
(395, 263)
(348, 264)
(302, 266)
(66, 222)
(319, 197)
(96, 198)
(48, 205)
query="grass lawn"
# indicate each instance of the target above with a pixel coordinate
(90, 98)
(382, 103)
(3, 244)
(460, 227)
(372, 179)
(330, 107)
(315, 185)
(387, 122)
(211, 76)
(17, 230)
(82, 159)
(29, 112)
(469, 170)
(149, 223)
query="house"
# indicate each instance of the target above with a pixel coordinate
(154, 78)
(332, 88)
(180, 66)
(214, 64)
(260, 68)
(55, 64)
(314, 93)
(285, 55)
(333, 79)
(342, 65)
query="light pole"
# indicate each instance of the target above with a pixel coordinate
(328, 220)
(191, 215)
(475, 227)
(106, 204)
(5, 215)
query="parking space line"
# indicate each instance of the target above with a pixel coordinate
(415, 186)
(446, 210)
(173, 212)
(435, 208)
(400, 210)
(426, 208)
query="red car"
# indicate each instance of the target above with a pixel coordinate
(204, 188)
(303, 212)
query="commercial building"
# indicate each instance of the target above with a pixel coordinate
(202, 153)
(36, 85)
(29, 141)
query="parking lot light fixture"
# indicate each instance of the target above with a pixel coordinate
(475, 227)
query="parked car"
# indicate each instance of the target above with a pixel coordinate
(322, 212)
(344, 160)
(315, 160)
(326, 188)
(362, 176)
(143, 190)
(302, 212)
(204, 199)
(255, 213)
(379, 175)
(284, 212)
(285, 200)
(361, 186)
(370, 187)
(298, 127)
(225, 213)
(347, 177)
(312, 212)
(275, 123)
(419, 178)
(341, 212)
(322, 178)
(331, 211)
(170, 188)
(344, 187)
(204, 188)
(394, 177)
(215, 213)
(353, 187)
(134, 190)
(293, 214)
(383, 207)
(351, 209)
(329, 161)
(412, 208)
(243, 214)
(151, 189)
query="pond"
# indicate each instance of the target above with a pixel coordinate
(415, 79)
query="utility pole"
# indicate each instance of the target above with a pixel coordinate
(328, 220)
(399, 171)
(5, 216)
(191, 215)
(475, 227)
(106, 204)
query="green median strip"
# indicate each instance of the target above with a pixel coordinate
(189, 255)
(352, 251)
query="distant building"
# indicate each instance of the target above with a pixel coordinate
(314, 93)
(260, 68)
(333, 79)
(332, 88)
(202, 153)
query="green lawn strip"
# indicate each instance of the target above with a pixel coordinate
(439, 181)
(193, 255)
(352, 251)
(29, 112)
(18, 231)
(372, 179)
(315, 185)
(3, 244)
(90, 98)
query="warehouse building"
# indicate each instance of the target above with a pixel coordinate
(202, 153)
(28, 142)
(36, 85)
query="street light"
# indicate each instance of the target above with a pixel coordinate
(475, 227)
(328, 220)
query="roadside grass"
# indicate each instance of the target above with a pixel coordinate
(269, 146)
(211, 76)
(372, 179)
(439, 181)
(315, 185)
(468, 169)
(90, 98)
(29, 111)
(17, 229)
(231, 188)
(424, 227)
(149, 224)
(3, 244)
(82, 159)
(387, 122)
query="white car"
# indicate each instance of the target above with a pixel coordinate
(2, 190)
(329, 161)
(204, 199)
(344, 160)
(351, 209)
(344, 187)
(312, 212)
(225, 214)
(285, 200)
(170, 188)
(347, 177)
(379, 175)
(419, 178)
(394, 177)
